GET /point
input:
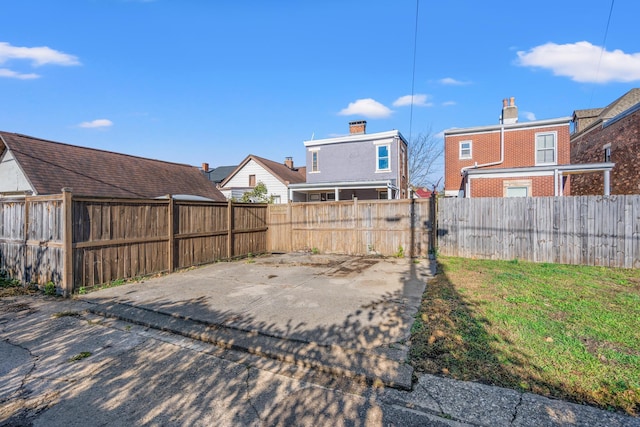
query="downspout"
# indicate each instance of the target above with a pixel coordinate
(464, 170)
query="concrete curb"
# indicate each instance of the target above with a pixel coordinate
(333, 359)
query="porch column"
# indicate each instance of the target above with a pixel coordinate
(607, 191)
(337, 193)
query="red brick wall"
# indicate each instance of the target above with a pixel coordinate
(624, 137)
(494, 187)
(519, 151)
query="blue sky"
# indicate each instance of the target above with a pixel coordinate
(196, 81)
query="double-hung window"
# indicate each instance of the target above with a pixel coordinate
(465, 149)
(546, 153)
(382, 158)
(314, 162)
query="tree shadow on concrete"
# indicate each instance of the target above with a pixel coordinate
(133, 376)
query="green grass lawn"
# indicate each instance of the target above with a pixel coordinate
(571, 332)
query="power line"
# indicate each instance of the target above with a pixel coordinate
(604, 44)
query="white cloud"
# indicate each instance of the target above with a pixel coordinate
(418, 99)
(5, 72)
(367, 107)
(449, 103)
(37, 55)
(99, 123)
(583, 62)
(452, 82)
(529, 115)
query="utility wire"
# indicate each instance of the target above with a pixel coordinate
(604, 44)
(413, 72)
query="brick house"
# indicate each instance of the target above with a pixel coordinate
(511, 158)
(358, 165)
(610, 134)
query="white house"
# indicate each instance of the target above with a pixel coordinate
(275, 176)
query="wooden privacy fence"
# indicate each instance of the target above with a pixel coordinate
(81, 241)
(358, 227)
(585, 230)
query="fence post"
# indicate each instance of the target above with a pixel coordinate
(230, 231)
(172, 234)
(25, 234)
(67, 242)
(433, 214)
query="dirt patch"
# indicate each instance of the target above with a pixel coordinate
(352, 267)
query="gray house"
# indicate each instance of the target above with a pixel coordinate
(358, 165)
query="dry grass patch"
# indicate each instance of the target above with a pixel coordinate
(570, 332)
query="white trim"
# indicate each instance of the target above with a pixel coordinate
(538, 124)
(388, 157)
(555, 148)
(355, 138)
(470, 156)
(511, 174)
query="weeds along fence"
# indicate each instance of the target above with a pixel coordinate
(358, 227)
(584, 230)
(79, 242)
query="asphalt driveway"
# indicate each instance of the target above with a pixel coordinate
(363, 303)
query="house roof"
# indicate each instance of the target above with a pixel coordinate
(356, 138)
(616, 108)
(560, 121)
(279, 170)
(218, 174)
(51, 166)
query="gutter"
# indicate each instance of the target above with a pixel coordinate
(464, 170)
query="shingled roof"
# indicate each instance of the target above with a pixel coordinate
(50, 166)
(281, 171)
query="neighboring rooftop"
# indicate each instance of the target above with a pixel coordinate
(50, 166)
(287, 174)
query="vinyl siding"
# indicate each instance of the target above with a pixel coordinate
(274, 186)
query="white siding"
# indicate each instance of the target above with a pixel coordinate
(241, 179)
(11, 176)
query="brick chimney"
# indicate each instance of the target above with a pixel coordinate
(288, 162)
(509, 111)
(205, 167)
(357, 127)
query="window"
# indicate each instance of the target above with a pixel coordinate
(314, 197)
(252, 180)
(517, 188)
(607, 153)
(331, 196)
(276, 199)
(546, 148)
(517, 192)
(465, 149)
(382, 158)
(314, 161)
(382, 195)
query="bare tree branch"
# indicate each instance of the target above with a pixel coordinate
(425, 153)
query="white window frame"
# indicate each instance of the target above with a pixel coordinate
(555, 148)
(463, 156)
(315, 161)
(378, 158)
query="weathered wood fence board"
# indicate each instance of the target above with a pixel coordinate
(352, 227)
(587, 230)
(81, 241)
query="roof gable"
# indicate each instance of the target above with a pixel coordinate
(279, 170)
(51, 166)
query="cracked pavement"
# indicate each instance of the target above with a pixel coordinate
(140, 376)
